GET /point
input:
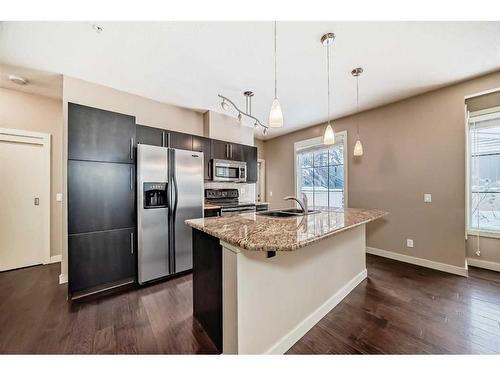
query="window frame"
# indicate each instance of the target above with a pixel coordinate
(482, 115)
(318, 141)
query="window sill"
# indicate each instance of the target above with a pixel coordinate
(483, 233)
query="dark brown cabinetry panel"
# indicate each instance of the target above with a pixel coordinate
(207, 285)
(179, 140)
(148, 135)
(219, 149)
(100, 258)
(250, 157)
(101, 196)
(203, 144)
(95, 134)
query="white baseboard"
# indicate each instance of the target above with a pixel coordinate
(55, 259)
(63, 278)
(301, 329)
(493, 266)
(461, 271)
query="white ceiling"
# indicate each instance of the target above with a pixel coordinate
(39, 82)
(189, 63)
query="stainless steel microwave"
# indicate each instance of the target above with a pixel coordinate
(229, 171)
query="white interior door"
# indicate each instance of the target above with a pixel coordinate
(24, 201)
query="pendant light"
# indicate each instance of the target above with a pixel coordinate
(327, 41)
(358, 147)
(276, 114)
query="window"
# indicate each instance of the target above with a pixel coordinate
(484, 172)
(320, 171)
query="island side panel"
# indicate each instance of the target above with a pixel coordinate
(207, 285)
(279, 299)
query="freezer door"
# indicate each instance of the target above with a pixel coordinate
(152, 222)
(187, 198)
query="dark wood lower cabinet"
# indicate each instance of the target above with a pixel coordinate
(101, 196)
(207, 285)
(100, 259)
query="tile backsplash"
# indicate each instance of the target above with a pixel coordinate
(247, 191)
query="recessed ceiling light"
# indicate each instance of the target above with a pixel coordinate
(18, 80)
(98, 29)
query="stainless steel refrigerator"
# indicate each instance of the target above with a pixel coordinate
(169, 191)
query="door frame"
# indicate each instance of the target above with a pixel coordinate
(24, 136)
(261, 182)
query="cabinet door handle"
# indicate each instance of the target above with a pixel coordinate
(163, 139)
(132, 148)
(231, 151)
(131, 242)
(168, 139)
(131, 179)
(227, 151)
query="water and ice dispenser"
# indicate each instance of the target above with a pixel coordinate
(155, 194)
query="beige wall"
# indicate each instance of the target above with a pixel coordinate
(24, 111)
(226, 128)
(411, 147)
(259, 143)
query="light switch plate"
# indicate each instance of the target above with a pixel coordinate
(409, 242)
(427, 198)
(59, 197)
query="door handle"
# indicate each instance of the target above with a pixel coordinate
(131, 242)
(163, 138)
(37, 201)
(132, 148)
(168, 139)
(131, 178)
(227, 150)
(231, 151)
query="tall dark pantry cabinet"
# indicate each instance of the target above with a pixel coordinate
(101, 199)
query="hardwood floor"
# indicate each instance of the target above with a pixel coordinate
(36, 318)
(406, 309)
(400, 308)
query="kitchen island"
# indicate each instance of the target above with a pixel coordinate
(260, 283)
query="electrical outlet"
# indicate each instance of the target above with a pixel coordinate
(270, 193)
(409, 242)
(427, 198)
(59, 197)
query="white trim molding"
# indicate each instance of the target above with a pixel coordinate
(55, 258)
(63, 278)
(493, 266)
(461, 271)
(301, 329)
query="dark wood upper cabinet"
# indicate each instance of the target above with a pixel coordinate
(99, 135)
(98, 259)
(236, 152)
(203, 144)
(101, 196)
(250, 157)
(148, 135)
(179, 140)
(219, 149)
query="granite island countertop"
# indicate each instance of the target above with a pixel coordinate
(256, 232)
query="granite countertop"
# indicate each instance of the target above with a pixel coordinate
(263, 233)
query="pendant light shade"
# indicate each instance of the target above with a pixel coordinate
(327, 41)
(329, 136)
(275, 114)
(358, 148)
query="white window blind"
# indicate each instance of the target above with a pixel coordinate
(484, 172)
